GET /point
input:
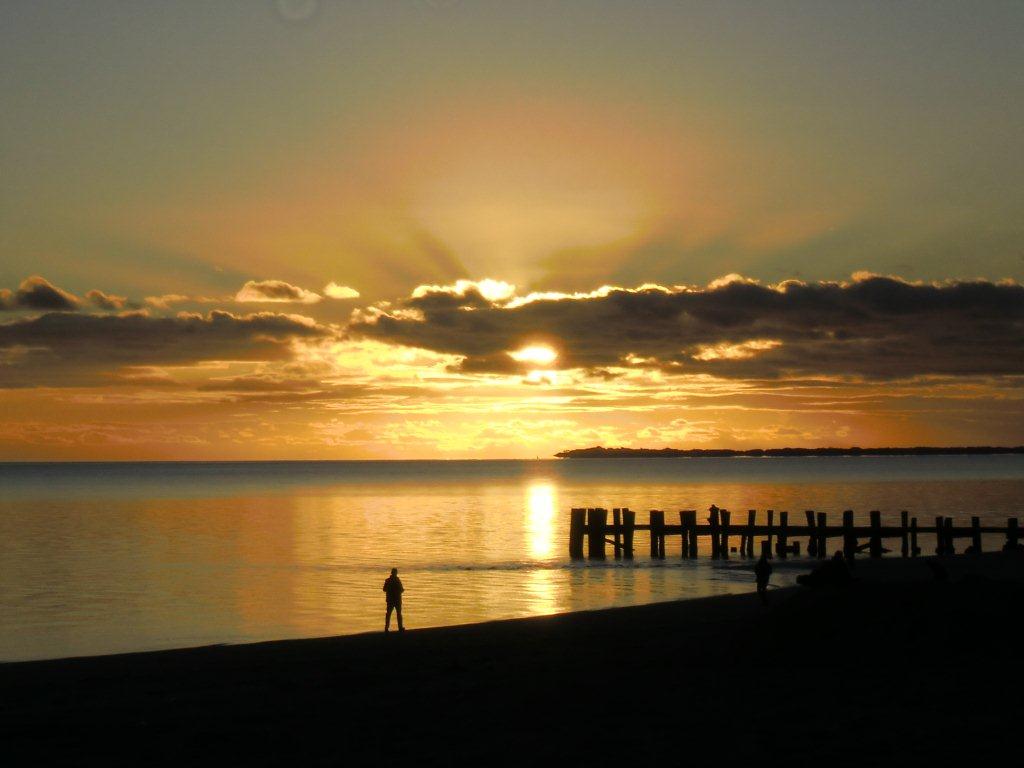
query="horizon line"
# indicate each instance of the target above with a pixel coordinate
(568, 454)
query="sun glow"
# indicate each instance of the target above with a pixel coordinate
(537, 354)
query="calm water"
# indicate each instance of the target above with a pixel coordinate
(99, 558)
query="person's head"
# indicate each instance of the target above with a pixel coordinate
(394, 571)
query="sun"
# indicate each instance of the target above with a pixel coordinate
(536, 354)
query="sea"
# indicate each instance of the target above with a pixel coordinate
(100, 558)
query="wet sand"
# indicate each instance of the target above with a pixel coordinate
(896, 668)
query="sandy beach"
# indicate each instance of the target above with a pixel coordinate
(843, 676)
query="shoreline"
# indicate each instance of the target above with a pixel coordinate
(640, 680)
(726, 604)
(886, 570)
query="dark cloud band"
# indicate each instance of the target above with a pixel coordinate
(59, 349)
(870, 327)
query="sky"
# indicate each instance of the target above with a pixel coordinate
(452, 229)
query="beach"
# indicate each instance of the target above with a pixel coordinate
(845, 676)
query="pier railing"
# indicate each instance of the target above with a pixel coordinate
(778, 538)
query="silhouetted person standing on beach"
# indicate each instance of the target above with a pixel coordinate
(393, 590)
(763, 572)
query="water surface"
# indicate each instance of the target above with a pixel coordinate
(100, 558)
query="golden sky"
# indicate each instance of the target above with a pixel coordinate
(301, 229)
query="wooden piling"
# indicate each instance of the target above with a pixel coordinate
(658, 534)
(940, 536)
(875, 545)
(947, 530)
(652, 518)
(684, 535)
(812, 536)
(1012, 534)
(915, 550)
(904, 543)
(751, 519)
(617, 532)
(716, 543)
(577, 521)
(724, 549)
(976, 535)
(771, 529)
(822, 535)
(689, 518)
(661, 537)
(685, 532)
(782, 548)
(628, 524)
(849, 537)
(597, 521)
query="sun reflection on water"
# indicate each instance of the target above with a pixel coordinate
(541, 502)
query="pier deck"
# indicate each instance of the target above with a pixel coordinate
(778, 537)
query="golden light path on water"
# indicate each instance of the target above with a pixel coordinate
(541, 506)
(541, 503)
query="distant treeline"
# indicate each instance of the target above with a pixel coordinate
(598, 452)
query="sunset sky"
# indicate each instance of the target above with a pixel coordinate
(468, 229)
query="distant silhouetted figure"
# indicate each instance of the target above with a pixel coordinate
(393, 590)
(833, 572)
(763, 572)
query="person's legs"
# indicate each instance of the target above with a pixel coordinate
(398, 610)
(387, 617)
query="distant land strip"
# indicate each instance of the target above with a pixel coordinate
(599, 452)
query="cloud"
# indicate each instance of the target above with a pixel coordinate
(270, 291)
(335, 291)
(872, 326)
(489, 289)
(59, 350)
(166, 300)
(38, 293)
(106, 300)
(679, 430)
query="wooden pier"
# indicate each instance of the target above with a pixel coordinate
(777, 537)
